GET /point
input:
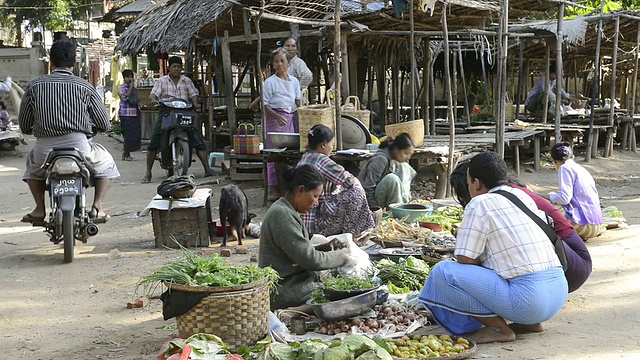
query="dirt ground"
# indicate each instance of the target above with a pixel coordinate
(52, 310)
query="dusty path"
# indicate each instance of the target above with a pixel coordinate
(51, 310)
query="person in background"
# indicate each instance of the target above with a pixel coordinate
(174, 85)
(387, 176)
(578, 257)
(298, 69)
(506, 266)
(342, 207)
(146, 80)
(534, 103)
(284, 241)
(6, 85)
(128, 114)
(577, 193)
(60, 110)
(281, 94)
(5, 118)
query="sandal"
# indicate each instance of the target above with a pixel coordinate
(30, 219)
(93, 214)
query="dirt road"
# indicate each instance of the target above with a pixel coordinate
(51, 310)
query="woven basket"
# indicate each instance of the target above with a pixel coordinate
(363, 115)
(414, 128)
(238, 317)
(310, 115)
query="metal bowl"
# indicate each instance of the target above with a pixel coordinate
(285, 140)
(345, 308)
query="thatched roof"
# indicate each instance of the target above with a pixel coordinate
(169, 25)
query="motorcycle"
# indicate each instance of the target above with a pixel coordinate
(67, 179)
(178, 125)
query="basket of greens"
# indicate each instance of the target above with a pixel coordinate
(232, 302)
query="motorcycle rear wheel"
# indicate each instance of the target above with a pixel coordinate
(69, 238)
(183, 159)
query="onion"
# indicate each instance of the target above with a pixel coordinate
(323, 330)
(381, 323)
(399, 318)
(330, 332)
(356, 322)
(387, 310)
(345, 328)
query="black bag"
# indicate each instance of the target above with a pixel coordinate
(558, 244)
(134, 99)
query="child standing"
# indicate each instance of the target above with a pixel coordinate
(5, 119)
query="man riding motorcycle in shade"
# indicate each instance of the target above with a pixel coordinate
(174, 85)
(60, 110)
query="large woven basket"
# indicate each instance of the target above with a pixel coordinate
(363, 115)
(310, 115)
(414, 128)
(239, 315)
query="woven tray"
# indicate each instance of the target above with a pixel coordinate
(473, 349)
(239, 318)
(214, 289)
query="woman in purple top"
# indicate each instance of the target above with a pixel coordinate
(577, 193)
(578, 256)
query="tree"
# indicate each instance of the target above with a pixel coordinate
(45, 14)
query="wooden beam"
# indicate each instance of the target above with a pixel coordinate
(545, 105)
(447, 81)
(559, 70)
(336, 72)
(247, 27)
(613, 72)
(346, 66)
(426, 84)
(634, 86)
(412, 55)
(265, 36)
(228, 85)
(594, 92)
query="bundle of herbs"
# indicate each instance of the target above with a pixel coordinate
(406, 275)
(194, 270)
(337, 288)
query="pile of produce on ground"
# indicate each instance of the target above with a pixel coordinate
(429, 346)
(391, 232)
(194, 270)
(392, 314)
(352, 347)
(406, 275)
(198, 346)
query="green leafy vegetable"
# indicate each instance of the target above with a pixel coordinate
(410, 274)
(348, 284)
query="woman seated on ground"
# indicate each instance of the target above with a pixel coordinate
(342, 206)
(387, 176)
(578, 257)
(506, 266)
(577, 193)
(284, 241)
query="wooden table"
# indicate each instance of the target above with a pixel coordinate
(628, 125)
(571, 131)
(438, 154)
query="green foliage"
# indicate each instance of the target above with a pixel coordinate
(51, 14)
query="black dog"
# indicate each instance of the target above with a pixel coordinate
(234, 208)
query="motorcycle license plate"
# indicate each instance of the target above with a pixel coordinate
(186, 121)
(62, 187)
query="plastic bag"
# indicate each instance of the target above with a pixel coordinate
(359, 265)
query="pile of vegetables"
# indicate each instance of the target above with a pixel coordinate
(389, 313)
(404, 276)
(340, 283)
(423, 347)
(393, 231)
(194, 270)
(446, 217)
(198, 346)
(352, 347)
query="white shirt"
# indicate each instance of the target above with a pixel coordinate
(502, 237)
(539, 86)
(281, 94)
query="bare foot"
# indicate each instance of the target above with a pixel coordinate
(526, 329)
(488, 335)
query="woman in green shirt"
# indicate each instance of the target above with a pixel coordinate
(284, 241)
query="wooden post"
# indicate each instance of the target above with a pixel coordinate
(545, 107)
(501, 97)
(260, 87)
(412, 55)
(209, 91)
(575, 76)
(426, 84)
(464, 86)
(518, 99)
(228, 82)
(447, 82)
(559, 70)
(594, 93)
(395, 94)
(614, 61)
(336, 73)
(381, 82)
(432, 100)
(345, 68)
(485, 80)
(634, 86)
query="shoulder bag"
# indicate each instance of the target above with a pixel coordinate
(134, 99)
(555, 240)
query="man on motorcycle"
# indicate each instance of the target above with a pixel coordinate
(174, 85)
(60, 110)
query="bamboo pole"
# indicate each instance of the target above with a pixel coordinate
(336, 73)
(464, 86)
(447, 81)
(455, 85)
(346, 69)
(259, 78)
(501, 97)
(559, 70)
(228, 82)
(426, 84)
(520, 75)
(594, 93)
(634, 86)
(412, 54)
(432, 99)
(547, 83)
(485, 80)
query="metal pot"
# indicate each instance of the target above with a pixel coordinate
(345, 308)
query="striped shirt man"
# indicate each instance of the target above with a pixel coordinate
(61, 103)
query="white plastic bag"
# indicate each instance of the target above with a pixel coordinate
(359, 265)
